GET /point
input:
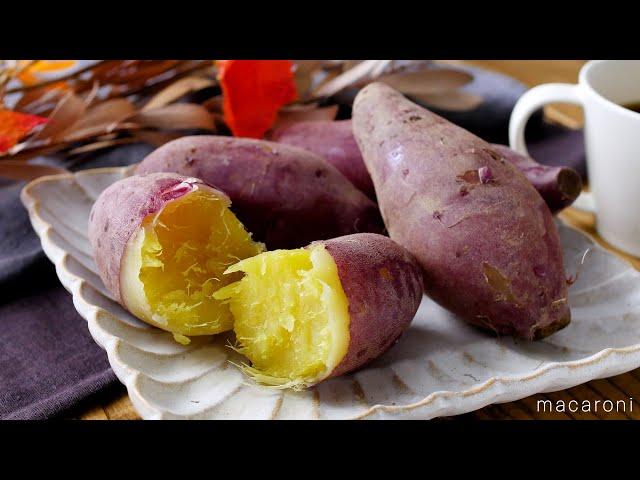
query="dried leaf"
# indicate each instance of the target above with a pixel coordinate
(380, 68)
(103, 116)
(218, 121)
(349, 64)
(39, 101)
(23, 153)
(307, 66)
(351, 77)
(155, 83)
(214, 104)
(176, 90)
(154, 138)
(14, 126)
(179, 116)
(303, 75)
(91, 147)
(131, 71)
(300, 107)
(428, 81)
(93, 93)
(96, 131)
(455, 100)
(317, 114)
(253, 92)
(69, 110)
(17, 170)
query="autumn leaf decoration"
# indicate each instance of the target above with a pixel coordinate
(29, 75)
(253, 92)
(14, 126)
(70, 108)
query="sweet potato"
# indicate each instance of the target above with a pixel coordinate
(308, 314)
(334, 142)
(161, 243)
(558, 186)
(286, 196)
(485, 239)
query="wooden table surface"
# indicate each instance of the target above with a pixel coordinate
(116, 404)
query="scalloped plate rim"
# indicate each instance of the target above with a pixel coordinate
(606, 362)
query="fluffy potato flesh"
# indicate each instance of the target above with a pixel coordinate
(291, 316)
(176, 261)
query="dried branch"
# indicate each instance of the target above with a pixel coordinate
(115, 102)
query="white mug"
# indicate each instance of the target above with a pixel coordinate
(612, 143)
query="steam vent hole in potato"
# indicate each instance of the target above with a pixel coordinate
(176, 260)
(291, 315)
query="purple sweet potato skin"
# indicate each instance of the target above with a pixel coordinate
(286, 196)
(334, 141)
(119, 211)
(383, 284)
(489, 248)
(558, 186)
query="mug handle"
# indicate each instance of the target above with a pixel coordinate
(530, 102)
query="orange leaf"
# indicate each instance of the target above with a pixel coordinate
(28, 77)
(253, 92)
(14, 126)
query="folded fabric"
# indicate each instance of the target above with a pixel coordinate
(48, 360)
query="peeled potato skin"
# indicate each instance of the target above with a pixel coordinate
(383, 284)
(286, 196)
(119, 211)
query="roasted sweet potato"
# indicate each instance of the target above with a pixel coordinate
(161, 243)
(485, 239)
(286, 196)
(308, 314)
(334, 142)
(558, 186)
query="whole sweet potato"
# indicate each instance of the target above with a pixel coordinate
(161, 243)
(305, 315)
(286, 196)
(486, 240)
(559, 186)
(332, 140)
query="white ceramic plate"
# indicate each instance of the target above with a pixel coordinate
(440, 366)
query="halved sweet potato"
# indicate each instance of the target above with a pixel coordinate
(308, 314)
(161, 243)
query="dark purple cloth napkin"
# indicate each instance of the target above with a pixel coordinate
(48, 361)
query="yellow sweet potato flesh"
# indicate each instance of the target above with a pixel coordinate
(177, 261)
(291, 316)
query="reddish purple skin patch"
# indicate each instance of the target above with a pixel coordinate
(485, 175)
(333, 141)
